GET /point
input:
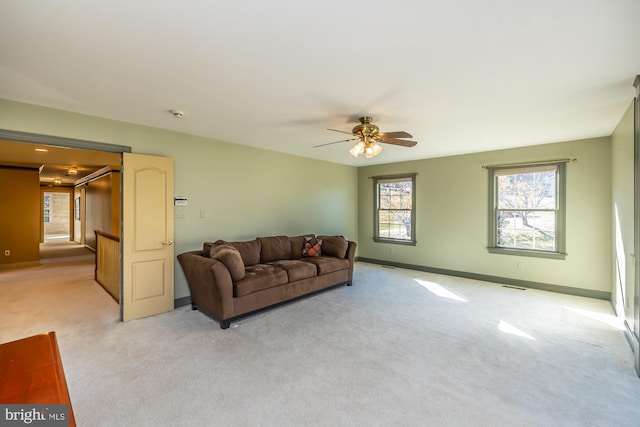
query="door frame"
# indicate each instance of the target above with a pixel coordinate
(54, 189)
(635, 328)
(56, 141)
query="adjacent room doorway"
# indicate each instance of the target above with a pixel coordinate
(146, 199)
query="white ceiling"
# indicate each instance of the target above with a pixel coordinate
(461, 76)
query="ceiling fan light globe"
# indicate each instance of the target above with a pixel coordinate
(372, 150)
(357, 149)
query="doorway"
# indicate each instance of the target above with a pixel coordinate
(146, 275)
(57, 223)
(50, 172)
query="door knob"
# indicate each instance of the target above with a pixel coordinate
(168, 242)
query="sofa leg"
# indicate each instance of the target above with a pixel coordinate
(224, 324)
(349, 283)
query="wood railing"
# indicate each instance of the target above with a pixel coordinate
(108, 263)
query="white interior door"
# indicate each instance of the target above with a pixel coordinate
(147, 236)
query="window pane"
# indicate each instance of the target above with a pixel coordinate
(534, 190)
(533, 230)
(394, 224)
(47, 207)
(395, 195)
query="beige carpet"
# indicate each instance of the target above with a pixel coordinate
(53, 251)
(399, 348)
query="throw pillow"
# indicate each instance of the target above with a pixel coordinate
(230, 257)
(297, 245)
(312, 246)
(336, 246)
(206, 247)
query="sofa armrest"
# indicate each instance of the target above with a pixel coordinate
(351, 251)
(209, 282)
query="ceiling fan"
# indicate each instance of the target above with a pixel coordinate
(368, 136)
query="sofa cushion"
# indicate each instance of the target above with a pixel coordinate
(297, 245)
(296, 269)
(259, 277)
(334, 246)
(230, 257)
(249, 250)
(312, 246)
(328, 264)
(274, 248)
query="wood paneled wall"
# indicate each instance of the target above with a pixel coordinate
(19, 204)
(102, 204)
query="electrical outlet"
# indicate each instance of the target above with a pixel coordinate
(7, 252)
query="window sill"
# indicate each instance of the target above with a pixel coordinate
(524, 252)
(395, 241)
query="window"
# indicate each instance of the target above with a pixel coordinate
(47, 208)
(527, 205)
(395, 216)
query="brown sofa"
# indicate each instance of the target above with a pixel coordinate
(231, 279)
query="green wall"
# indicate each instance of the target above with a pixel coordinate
(623, 292)
(452, 216)
(245, 192)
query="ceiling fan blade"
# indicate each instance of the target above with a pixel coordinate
(335, 142)
(394, 141)
(400, 134)
(342, 131)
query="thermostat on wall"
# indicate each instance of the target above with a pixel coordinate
(180, 201)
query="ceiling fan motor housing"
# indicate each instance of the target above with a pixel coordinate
(365, 128)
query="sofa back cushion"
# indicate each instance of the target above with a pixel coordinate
(230, 257)
(274, 248)
(249, 251)
(335, 246)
